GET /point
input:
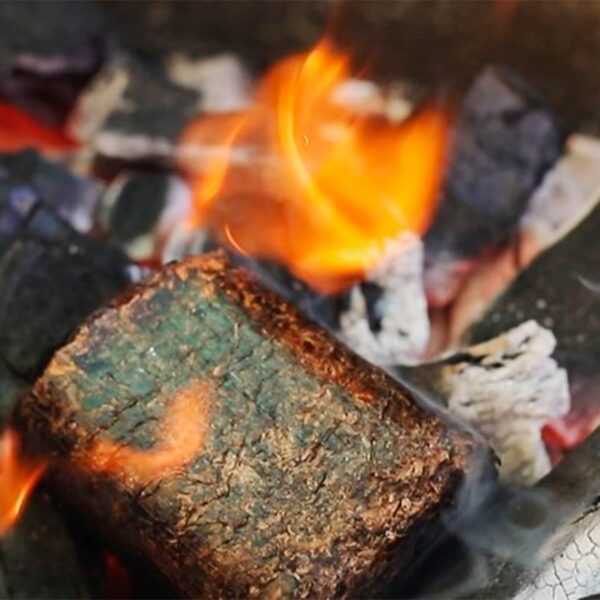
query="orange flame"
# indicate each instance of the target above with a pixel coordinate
(180, 439)
(327, 188)
(18, 478)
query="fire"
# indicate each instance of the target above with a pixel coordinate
(181, 437)
(18, 478)
(327, 188)
(19, 131)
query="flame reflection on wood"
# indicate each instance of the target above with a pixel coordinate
(179, 440)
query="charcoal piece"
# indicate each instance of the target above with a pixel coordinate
(543, 542)
(40, 559)
(386, 321)
(48, 51)
(142, 211)
(300, 470)
(560, 290)
(505, 140)
(132, 112)
(51, 278)
(138, 206)
(26, 177)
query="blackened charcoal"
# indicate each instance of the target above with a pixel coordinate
(48, 51)
(138, 206)
(141, 212)
(51, 278)
(26, 177)
(561, 291)
(505, 141)
(132, 112)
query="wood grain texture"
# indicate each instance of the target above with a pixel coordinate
(316, 475)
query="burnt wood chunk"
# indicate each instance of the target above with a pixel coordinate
(203, 424)
(561, 291)
(505, 140)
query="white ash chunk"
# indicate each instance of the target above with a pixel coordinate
(400, 310)
(509, 388)
(567, 192)
(573, 572)
(222, 80)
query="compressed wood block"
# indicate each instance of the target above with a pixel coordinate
(206, 426)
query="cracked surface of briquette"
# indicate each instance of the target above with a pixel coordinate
(319, 475)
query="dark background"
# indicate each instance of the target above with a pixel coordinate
(553, 44)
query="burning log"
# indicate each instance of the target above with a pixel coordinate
(508, 388)
(506, 139)
(560, 291)
(205, 425)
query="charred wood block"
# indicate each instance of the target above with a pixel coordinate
(560, 290)
(51, 278)
(27, 177)
(204, 424)
(504, 142)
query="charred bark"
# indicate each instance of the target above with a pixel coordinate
(311, 472)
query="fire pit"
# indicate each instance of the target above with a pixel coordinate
(299, 311)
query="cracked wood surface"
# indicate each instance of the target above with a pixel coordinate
(318, 475)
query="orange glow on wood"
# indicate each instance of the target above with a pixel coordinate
(309, 182)
(180, 438)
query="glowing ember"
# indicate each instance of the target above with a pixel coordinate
(18, 477)
(180, 439)
(18, 131)
(327, 188)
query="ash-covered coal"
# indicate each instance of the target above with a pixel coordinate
(529, 544)
(554, 290)
(505, 140)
